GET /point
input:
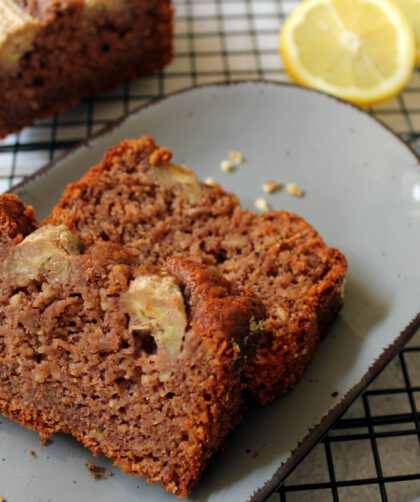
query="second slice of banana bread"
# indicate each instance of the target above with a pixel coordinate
(138, 198)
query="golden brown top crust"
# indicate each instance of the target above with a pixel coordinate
(198, 280)
(16, 219)
(145, 145)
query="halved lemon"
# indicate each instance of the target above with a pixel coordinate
(411, 9)
(359, 50)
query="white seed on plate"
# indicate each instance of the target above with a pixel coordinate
(262, 205)
(236, 157)
(294, 190)
(272, 186)
(210, 182)
(227, 166)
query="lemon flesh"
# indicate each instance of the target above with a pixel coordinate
(359, 50)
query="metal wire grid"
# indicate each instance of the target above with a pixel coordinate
(373, 453)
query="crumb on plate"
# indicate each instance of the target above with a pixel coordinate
(97, 472)
(262, 205)
(236, 157)
(44, 440)
(227, 166)
(272, 186)
(294, 190)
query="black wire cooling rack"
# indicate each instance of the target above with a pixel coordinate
(373, 452)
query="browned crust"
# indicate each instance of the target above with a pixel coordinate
(16, 219)
(280, 365)
(330, 293)
(207, 292)
(43, 424)
(144, 148)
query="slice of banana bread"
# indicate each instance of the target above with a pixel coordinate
(53, 53)
(141, 364)
(137, 198)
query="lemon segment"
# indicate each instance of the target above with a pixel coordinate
(360, 50)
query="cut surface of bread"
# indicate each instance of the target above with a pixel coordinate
(52, 53)
(138, 198)
(141, 364)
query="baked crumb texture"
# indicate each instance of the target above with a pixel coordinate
(85, 349)
(278, 255)
(56, 53)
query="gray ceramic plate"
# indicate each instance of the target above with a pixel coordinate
(362, 193)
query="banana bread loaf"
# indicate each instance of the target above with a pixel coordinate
(141, 364)
(54, 53)
(138, 198)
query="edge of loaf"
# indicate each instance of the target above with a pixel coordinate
(52, 54)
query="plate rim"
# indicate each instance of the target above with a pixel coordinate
(320, 429)
(156, 101)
